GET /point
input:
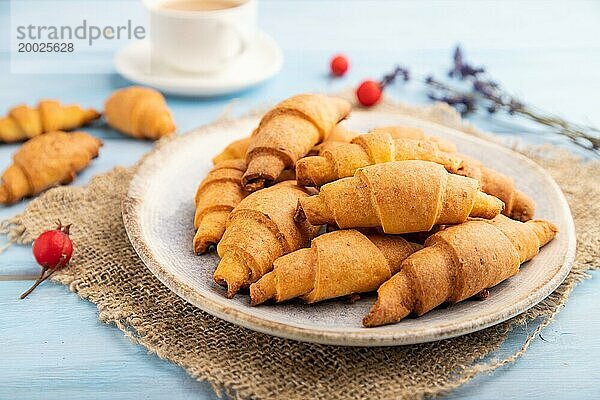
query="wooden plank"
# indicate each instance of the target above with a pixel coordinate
(18, 277)
(53, 342)
(546, 52)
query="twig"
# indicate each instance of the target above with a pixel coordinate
(43, 276)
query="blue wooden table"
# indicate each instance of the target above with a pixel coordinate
(52, 345)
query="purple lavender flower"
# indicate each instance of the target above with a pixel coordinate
(463, 103)
(461, 69)
(492, 108)
(486, 88)
(487, 94)
(391, 77)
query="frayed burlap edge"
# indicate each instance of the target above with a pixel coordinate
(566, 169)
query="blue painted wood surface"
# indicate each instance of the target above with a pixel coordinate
(54, 347)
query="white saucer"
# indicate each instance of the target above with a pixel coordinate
(259, 62)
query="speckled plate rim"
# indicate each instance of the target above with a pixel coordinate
(364, 336)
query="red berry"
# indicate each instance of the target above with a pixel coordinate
(369, 93)
(53, 249)
(339, 65)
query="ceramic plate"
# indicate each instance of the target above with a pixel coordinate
(159, 209)
(261, 61)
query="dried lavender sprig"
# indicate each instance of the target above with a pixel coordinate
(456, 94)
(391, 77)
(490, 90)
(486, 90)
(453, 96)
(463, 102)
(463, 71)
(563, 127)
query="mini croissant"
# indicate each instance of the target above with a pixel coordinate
(238, 148)
(517, 205)
(409, 132)
(337, 264)
(260, 229)
(216, 196)
(139, 112)
(234, 150)
(457, 263)
(400, 197)
(341, 133)
(287, 133)
(24, 122)
(45, 161)
(339, 160)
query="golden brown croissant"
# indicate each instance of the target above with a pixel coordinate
(457, 263)
(234, 150)
(400, 197)
(238, 148)
(24, 122)
(337, 264)
(341, 133)
(339, 160)
(139, 112)
(45, 161)
(288, 132)
(517, 205)
(409, 132)
(260, 229)
(216, 196)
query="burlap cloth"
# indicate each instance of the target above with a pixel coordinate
(244, 364)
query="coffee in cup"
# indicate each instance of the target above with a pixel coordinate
(201, 35)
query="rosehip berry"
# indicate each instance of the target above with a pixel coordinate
(339, 65)
(52, 250)
(369, 93)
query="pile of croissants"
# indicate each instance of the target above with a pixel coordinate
(405, 215)
(51, 156)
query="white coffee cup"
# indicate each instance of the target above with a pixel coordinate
(200, 40)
